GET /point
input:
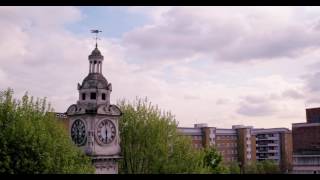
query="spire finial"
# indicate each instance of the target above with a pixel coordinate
(96, 31)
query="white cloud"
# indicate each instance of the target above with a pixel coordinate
(225, 33)
(182, 60)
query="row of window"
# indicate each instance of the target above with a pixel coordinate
(229, 152)
(266, 148)
(197, 145)
(227, 144)
(227, 137)
(267, 142)
(231, 159)
(93, 96)
(267, 154)
(307, 161)
(197, 137)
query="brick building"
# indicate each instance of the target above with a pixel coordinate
(235, 145)
(244, 144)
(313, 115)
(306, 148)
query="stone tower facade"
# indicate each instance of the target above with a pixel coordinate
(94, 121)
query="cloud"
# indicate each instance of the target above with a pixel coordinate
(222, 101)
(261, 109)
(311, 82)
(38, 53)
(169, 60)
(225, 33)
(190, 97)
(273, 104)
(293, 94)
(253, 105)
(254, 99)
(312, 88)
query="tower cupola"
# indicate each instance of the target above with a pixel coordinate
(95, 61)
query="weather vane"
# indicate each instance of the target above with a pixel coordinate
(96, 31)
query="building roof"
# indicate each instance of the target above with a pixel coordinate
(95, 81)
(190, 131)
(226, 132)
(96, 54)
(271, 130)
(295, 125)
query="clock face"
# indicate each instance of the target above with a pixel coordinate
(78, 132)
(106, 131)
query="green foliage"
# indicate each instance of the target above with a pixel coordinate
(270, 167)
(251, 168)
(213, 159)
(32, 140)
(263, 167)
(150, 142)
(234, 168)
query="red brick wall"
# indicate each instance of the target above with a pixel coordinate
(313, 115)
(227, 146)
(306, 139)
(286, 151)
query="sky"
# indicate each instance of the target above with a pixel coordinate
(223, 66)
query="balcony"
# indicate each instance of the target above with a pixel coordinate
(261, 145)
(273, 138)
(273, 157)
(272, 150)
(259, 138)
(266, 144)
(267, 157)
(273, 144)
(261, 151)
(262, 157)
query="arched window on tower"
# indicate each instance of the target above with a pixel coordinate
(103, 96)
(83, 96)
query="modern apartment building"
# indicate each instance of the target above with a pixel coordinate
(274, 144)
(245, 144)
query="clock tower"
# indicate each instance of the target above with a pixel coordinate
(94, 121)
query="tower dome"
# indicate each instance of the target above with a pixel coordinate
(96, 54)
(94, 81)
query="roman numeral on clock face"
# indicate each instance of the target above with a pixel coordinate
(78, 132)
(105, 131)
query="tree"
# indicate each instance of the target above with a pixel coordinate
(270, 167)
(263, 167)
(251, 168)
(234, 168)
(213, 159)
(32, 140)
(150, 142)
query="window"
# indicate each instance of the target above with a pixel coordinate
(103, 96)
(93, 96)
(83, 96)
